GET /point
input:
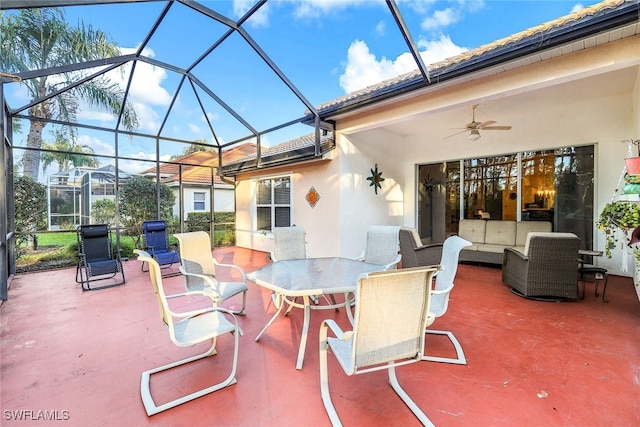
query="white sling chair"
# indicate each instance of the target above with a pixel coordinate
(440, 295)
(187, 329)
(290, 243)
(382, 246)
(388, 331)
(199, 268)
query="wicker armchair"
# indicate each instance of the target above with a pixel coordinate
(414, 253)
(548, 269)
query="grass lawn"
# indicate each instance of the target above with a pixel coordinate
(60, 249)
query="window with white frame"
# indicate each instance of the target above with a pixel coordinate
(273, 203)
(199, 199)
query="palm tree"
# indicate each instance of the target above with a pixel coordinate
(40, 38)
(66, 153)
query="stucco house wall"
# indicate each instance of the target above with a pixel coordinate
(588, 97)
(223, 199)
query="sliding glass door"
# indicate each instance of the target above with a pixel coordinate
(551, 185)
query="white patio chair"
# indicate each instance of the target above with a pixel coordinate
(440, 295)
(199, 269)
(187, 329)
(382, 246)
(388, 331)
(290, 243)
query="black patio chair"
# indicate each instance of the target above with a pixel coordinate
(156, 244)
(97, 260)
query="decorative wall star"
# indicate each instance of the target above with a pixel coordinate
(376, 179)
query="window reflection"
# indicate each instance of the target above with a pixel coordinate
(555, 185)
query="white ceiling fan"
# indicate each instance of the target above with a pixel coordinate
(474, 127)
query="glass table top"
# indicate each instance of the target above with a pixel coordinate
(312, 276)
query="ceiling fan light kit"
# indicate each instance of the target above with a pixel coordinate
(474, 127)
(474, 135)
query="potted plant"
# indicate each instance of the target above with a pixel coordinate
(623, 217)
(619, 216)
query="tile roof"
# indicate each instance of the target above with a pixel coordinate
(298, 144)
(414, 77)
(196, 167)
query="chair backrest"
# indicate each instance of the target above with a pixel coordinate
(158, 287)
(445, 277)
(382, 244)
(195, 253)
(155, 235)
(94, 241)
(289, 243)
(390, 316)
(539, 243)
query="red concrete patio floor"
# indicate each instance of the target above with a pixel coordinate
(77, 356)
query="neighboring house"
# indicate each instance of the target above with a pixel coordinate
(191, 178)
(569, 89)
(72, 193)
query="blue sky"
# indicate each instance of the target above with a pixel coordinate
(326, 48)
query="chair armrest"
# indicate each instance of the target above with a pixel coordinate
(515, 252)
(233, 267)
(193, 313)
(442, 291)
(393, 263)
(429, 247)
(213, 297)
(337, 330)
(141, 253)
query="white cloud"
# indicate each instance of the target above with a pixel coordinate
(193, 128)
(147, 80)
(100, 148)
(146, 92)
(577, 7)
(440, 19)
(259, 19)
(309, 9)
(380, 28)
(364, 69)
(436, 50)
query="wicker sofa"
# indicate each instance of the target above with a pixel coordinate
(489, 238)
(547, 269)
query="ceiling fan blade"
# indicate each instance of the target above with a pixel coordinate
(497, 128)
(483, 124)
(457, 133)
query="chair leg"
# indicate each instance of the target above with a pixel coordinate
(147, 399)
(324, 379)
(242, 311)
(460, 358)
(393, 381)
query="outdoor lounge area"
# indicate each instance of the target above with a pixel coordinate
(80, 355)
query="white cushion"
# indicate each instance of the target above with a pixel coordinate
(501, 233)
(526, 227)
(472, 230)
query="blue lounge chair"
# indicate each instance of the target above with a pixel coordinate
(156, 243)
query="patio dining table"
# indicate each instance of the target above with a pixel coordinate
(304, 278)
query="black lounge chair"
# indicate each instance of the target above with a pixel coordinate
(97, 259)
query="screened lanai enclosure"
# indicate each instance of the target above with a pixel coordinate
(164, 91)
